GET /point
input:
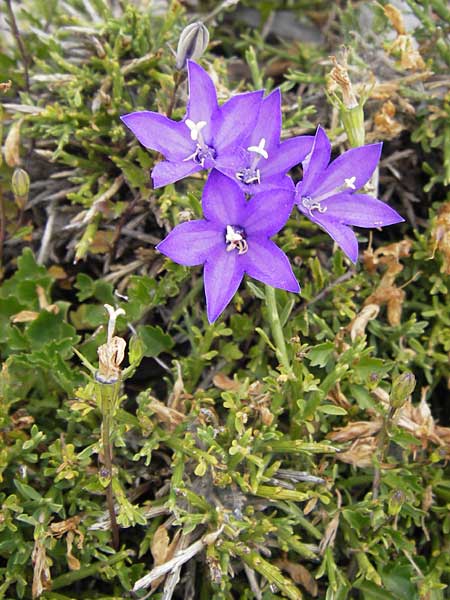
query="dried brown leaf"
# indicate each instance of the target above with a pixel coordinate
(385, 124)
(171, 417)
(299, 574)
(163, 549)
(395, 17)
(355, 430)
(359, 323)
(24, 316)
(223, 382)
(330, 533)
(441, 236)
(42, 580)
(11, 149)
(360, 453)
(72, 561)
(5, 86)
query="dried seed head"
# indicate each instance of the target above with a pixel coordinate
(402, 387)
(110, 357)
(193, 42)
(20, 184)
(111, 354)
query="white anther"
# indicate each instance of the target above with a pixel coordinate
(195, 128)
(259, 149)
(311, 205)
(232, 235)
(113, 314)
(350, 182)
(235, 241)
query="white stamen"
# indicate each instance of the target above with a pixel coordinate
(259, 149)
(113, 314)
(235, 241)
(350, 182)
(311, 205)
(195, 128)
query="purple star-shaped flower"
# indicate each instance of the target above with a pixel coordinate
(233, 240)
(206, 136)
(327, 193)
(261, 162)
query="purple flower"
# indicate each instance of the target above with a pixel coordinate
(327, 193)
(261, 162)
(206, 136)
(233, 240)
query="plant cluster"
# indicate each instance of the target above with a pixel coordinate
(297, 446)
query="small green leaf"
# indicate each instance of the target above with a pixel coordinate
(154, 340)
(332, 409)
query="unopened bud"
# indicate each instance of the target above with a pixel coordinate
(193, 42)
(402, 387)
(395, 502)
(20, 184)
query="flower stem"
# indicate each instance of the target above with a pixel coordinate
(108, 397)
(277, 329)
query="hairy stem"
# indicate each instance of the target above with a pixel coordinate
(277, 329)
(108, 396)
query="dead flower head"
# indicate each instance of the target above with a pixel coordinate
(111, 354)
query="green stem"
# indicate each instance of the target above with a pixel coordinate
(277, 329)
(73, 576)
(108, 395)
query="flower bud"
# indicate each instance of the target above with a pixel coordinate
(402, 387)
(193, 42)
(396, 500)
(20, 183)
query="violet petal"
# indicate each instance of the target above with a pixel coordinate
(341, 234)
(223, 274)
(166, 172)
(359, 163)
(315, 163)
(268, 124)
(265, 262)
(235, 120)
(223, 202)
(192, 243)
(267, 212)
(159, 133)
(361, 210)
(202, 95)
(289, 153)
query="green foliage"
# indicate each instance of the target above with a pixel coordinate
(299, 480)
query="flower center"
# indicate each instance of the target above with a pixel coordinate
(311, 203)
(236, 239)
(203, 154)
(252, 174)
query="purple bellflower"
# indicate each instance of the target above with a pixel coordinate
(207, 135)
(328, 194)
(261, 162)
(233, 239)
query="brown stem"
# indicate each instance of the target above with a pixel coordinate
(108, 463)
(20, 44)
(178, 78)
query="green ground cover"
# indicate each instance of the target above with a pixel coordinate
(229, 474)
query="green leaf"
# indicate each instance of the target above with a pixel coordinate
(154, 340)
(320, 354)
(332, 409)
